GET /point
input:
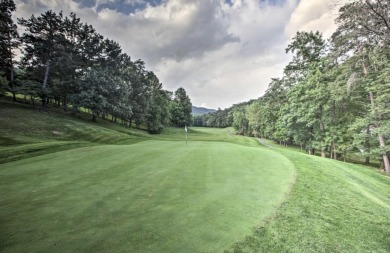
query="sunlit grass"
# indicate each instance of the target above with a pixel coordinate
(79, 186)
(153, 196)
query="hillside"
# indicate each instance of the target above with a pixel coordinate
(201, 110)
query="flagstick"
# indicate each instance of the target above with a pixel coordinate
(185, 128)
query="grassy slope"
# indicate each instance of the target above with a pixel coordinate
(333, 207)
(25, 132)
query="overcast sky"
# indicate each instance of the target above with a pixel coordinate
(221, 51)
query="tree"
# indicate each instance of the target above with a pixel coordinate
(136, 75)
(9, 40)
(157, 113)
(181, 108)
(308, 48)
(95, 88)
(240, 122)
(45, 42)
(363, 29)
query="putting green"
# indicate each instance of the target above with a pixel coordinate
(153, 196)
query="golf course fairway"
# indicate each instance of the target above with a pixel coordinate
(152, 196)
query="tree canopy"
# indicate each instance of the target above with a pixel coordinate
(67, 63)
(334, 96)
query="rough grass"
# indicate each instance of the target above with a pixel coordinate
(25, 132)
(333, 207)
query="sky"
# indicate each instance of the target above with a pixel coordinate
(222, 52)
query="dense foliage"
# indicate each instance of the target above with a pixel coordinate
(68, 63)
(334, 96)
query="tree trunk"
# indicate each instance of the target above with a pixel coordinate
(323, 152)
(46, 75)
(367, 145)
(33, 101)
(11, 68)
(334, 152)
(12, 79)
(322, 129)
(44, 85)
(66, 103)
(93, 117)
(381, 138)
(384, 155)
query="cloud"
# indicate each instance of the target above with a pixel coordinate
(314, 15)
(221, 51)
(179, 30)
(241, 71)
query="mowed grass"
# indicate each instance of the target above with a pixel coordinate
(26, 132)
(333, 207)
(153, 196)
(79, 186)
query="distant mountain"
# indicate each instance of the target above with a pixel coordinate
(201, 110)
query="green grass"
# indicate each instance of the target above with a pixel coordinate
(25, 132)
(333, 207)
(207, 134)
(154, 196)
(70, 185)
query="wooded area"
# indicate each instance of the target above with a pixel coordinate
(334, 96)
(67, 63)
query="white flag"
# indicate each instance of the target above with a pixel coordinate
(185, 128)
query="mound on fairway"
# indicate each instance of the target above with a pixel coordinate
(153, 196)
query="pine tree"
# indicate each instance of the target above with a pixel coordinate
(9, 40)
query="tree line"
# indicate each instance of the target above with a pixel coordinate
(67, 63)
(334, 96)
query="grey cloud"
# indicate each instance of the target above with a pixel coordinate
(221, 52)
(86, 3)
(205, 30)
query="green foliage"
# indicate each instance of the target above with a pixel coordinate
(240, 123)
(66, 62)
(9, 41)
(3, 85)
(181, 108)
(334, 96)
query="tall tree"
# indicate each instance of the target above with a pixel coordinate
(9, 41)
(44, 42)
(157, 112)
(307, 48)
(94, 92)
(181, 108)
(364, 27)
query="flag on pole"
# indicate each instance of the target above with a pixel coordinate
(185, 129)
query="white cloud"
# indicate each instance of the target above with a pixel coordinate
(220, 53)
(314, 15)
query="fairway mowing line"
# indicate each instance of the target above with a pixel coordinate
(359, 187)
(262, 142)
(151, 193)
